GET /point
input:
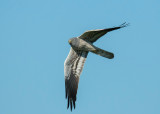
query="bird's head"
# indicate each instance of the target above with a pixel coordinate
(72, 41)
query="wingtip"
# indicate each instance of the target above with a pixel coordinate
(68, 103)
(74, 105)
(71, 104)
(124, 25)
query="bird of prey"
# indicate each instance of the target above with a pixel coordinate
(73, 65)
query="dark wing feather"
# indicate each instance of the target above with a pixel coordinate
(93, 35)
(73, 67)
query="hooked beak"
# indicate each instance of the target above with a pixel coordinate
(69, 41)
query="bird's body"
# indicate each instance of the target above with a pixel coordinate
(73, 65)
(80, 44)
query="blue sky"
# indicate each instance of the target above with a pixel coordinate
(34, 44)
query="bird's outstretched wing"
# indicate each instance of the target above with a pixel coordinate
(72, 69)
(93, 35)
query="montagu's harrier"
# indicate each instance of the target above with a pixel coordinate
(73, 65)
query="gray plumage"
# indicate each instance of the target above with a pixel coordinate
(73, 65)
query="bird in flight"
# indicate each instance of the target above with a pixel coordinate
(73, 65)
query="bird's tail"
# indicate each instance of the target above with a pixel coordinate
(103, 53)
